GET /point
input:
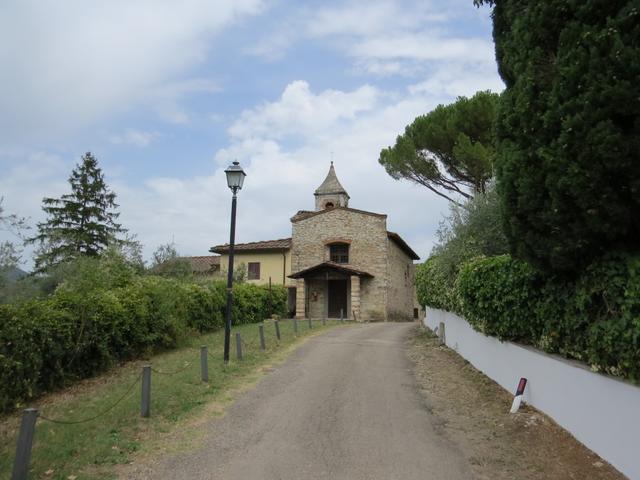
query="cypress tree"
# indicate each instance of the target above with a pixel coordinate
(81, 223)
(568, 128)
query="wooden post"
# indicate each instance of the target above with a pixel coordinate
(261, 331)
(25, 442)
(204, 363)
(145, 407)
(277, 324)
(442, 340)
(238, 346)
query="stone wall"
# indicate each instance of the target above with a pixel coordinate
(367, 235)
(401, 284)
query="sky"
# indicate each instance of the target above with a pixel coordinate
(166, 94)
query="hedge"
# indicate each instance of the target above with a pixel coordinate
(595, 319)
(49, 343)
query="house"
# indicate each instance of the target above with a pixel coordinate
(205, 266)
(339, 261)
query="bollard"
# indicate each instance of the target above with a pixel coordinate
(277, 324)
(310, 326)
(441, 338)
(145, 408)
(261, 331)
(25, 441)
(341, 316)
(238, 346)
(295, 326)
(204, 365)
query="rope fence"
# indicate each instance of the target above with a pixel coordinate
(30, 415)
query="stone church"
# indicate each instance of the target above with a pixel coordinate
(339, 261)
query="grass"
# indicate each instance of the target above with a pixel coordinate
(93, 449)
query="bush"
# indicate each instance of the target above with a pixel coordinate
(73, 334)
(595, 319)
(434, 288)
(499, 297)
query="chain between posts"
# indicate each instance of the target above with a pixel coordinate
(107, 410)
(173, 372)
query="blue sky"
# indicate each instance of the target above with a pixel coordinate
(166, 94)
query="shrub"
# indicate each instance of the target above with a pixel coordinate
(49, 343)
(595, 319)
(434, 288)
(499, 296)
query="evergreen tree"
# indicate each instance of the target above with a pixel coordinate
(81, 223)
(450, 150)
(568, 128)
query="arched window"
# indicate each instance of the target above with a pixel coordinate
(328, 205)
(339, 252)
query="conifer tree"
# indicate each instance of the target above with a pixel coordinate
(80, 223)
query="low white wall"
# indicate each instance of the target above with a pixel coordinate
(600, 411)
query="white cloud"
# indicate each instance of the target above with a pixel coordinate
(299, 111)
(74, 63)
(134, 137)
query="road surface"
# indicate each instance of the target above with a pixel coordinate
(344, 405)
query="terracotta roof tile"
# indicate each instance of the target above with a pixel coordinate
(203, 264)
(397, 239)
(331, 266)
(277, 245)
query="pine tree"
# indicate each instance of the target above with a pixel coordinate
(81, 223)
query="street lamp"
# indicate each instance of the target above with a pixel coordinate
(235, 179)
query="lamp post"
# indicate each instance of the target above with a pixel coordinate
(235, 179)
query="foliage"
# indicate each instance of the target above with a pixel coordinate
(10, 253)
(80, 223)
(167, 262)
(499, 297)
(568, 129)
(470, 231)
(240, 273)
(594, 318)
(449, 150)
(97, 320)
(435, 288)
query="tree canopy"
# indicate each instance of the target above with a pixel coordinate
(80, 223)
(450, 150)
(568, 128)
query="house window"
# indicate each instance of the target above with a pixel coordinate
(339, 252)
(254, 271)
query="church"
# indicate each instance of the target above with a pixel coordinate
(338, 262)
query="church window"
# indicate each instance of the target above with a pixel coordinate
(328, 205)
(339, 253)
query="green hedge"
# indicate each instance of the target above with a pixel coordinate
(47, 344)
(595, 319)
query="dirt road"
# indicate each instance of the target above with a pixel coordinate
(345, 405)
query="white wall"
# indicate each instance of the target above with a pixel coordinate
(600, 411)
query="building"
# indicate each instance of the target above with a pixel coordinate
(339, 261)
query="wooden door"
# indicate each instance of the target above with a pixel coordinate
(337, 298)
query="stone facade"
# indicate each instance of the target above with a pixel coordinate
(375, 284)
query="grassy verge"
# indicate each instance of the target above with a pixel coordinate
(92, 449)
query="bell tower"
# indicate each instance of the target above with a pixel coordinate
(331, 193)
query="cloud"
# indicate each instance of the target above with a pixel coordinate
(301, 112)
(134, 137)
(75, 63)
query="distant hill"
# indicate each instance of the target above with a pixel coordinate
(13, 274)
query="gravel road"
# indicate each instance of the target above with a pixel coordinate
(345, 405)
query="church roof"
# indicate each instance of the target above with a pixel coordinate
(302, 214)
(328, 266)
(331, 184)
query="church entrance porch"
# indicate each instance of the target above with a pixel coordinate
(327, 289)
